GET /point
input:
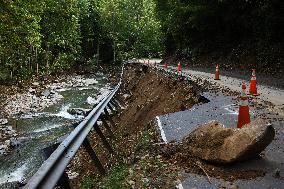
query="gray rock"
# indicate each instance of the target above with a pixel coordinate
(2, 151)
(45, 93)
(78, 111)
(215, 143)
(7, 143)
(91, 101)
(14, 142)
(2, 146)
(10, 128)
(126, 96)
(52, 92)
(35, 84)
(31, 90)
(3, 121)
(90, 82)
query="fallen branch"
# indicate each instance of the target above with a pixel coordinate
(198, 164)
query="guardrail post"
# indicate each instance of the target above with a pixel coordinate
(104, 140)
(120, 100)
(115, 104)
(109, 118)
(117, 100)
(94, 156)
(111, 109)
(107, 127)
(63, 182)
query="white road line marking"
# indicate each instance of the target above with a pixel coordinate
(161, 129)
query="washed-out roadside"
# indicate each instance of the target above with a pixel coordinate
(138, 162)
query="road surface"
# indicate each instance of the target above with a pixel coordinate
(224, 108)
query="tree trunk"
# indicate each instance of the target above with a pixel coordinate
(114, 55)
(36, 61)
(98, 52)
(47, 57)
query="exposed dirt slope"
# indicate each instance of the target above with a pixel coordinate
(152, 94)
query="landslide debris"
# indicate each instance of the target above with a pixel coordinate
(214, 142)
(212, 150)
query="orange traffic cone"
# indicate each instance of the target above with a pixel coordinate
(217, 75)
(166, 66)
(243, 117)
(252, 86)
(179, 67)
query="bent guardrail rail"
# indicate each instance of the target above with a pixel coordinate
(52, 170)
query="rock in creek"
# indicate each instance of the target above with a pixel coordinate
(35, 84)
(91, 101)
(90, 82)
(215, 143)
(8, 145)
(3, 121)
(46, 93)
(78, 111)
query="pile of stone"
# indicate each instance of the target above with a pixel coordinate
(39, 97)
(77, 81)
(30, 102)
(7, 137)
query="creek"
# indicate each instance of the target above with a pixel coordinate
(39, 130)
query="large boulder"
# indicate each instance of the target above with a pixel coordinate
(215, 143)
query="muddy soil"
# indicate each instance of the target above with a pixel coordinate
(151, 94)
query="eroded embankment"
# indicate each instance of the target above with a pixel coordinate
(139, 163)
(149, 94)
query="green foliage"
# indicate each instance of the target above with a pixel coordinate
(132, 26)
(89, 27)
(60, 33)
(40, 35)
(115, 178)
(87, 183)
(20, 35)
(144, 142)
(45, 36)
(4, 74)
(193, 23)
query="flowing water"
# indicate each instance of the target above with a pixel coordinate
(40, 130)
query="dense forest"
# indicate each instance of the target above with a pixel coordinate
(46, 36)
(39, 37)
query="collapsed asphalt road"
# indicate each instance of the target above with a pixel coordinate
(223, 106)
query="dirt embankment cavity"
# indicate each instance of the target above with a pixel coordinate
(149, 93)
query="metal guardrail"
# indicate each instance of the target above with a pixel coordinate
(53, 169)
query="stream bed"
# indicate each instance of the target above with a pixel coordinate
(39, 130)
